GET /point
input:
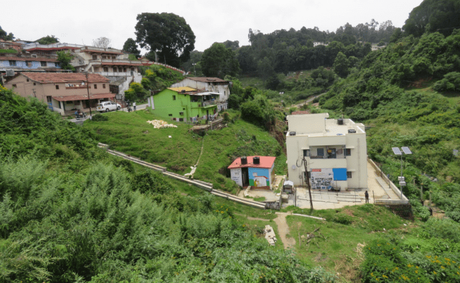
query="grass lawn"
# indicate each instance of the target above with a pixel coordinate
(178, 148)
(338, 241)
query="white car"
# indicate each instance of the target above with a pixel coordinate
(106, 106)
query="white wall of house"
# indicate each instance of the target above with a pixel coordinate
(222, 89)
(332, 140)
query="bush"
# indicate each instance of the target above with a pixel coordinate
(100, 118)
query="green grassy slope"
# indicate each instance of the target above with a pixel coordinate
(130, 133)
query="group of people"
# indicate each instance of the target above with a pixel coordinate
(79, 114)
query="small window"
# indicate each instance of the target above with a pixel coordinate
(183, 108)
(12, 63)
(106, 69)
(28, 64)
(103, 85)
(181, 113)
(306, 152)
(49, 99)
(95, 86)
(181, 119)
(57, 86)
(320, 151)
(347, 152)
(174, 97)
(349, 174)
(14, 85)
(27, 80)
(94, 57)
(170, 115)
(43, 63)
(35, 83)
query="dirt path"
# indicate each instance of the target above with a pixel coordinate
(283, 230)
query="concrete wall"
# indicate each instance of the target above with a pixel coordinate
(355, 163)
(309, 123)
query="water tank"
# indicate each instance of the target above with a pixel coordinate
(340, 121)
(244, 160)
(256, 160)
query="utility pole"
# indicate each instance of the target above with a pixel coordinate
(307, 180)
(87, 90)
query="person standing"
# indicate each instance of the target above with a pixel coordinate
(134, 105)
(366, 196)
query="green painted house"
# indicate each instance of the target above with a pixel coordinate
(185, 104)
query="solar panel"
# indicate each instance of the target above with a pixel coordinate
(396, 150)
(406, 150)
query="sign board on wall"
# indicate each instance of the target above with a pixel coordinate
(235, 175)
(322, 178)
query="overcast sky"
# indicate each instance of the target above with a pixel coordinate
(82, 21)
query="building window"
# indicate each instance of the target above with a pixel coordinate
(49, 99)
(14, 85)
(12, 63)
(103, 85)
(306, 153)
(95, 86)
(27, 80)
(181, 113)
(94, 57)
(106, 69)
(56, 65)
(174, 97)
(347, 152)
(320, 151)
(43, 63)
(28, 64)
(349, 175)
(35, 83)
(170, 115)
(57, 86)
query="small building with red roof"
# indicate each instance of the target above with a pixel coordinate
(254, 171)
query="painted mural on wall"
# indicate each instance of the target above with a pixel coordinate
(322, 178)
(259, 177)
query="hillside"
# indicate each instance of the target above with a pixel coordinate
(70, 212)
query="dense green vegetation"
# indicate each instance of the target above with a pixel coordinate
(69, 212)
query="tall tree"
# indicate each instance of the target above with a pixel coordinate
(167, 34)
(130, 46)
(101, 42)
(219, 61)
(434, 15)
(5, 36)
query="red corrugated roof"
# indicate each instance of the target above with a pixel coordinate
(84, 97)
(50, 78)
(265, 162)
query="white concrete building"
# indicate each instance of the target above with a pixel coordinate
(209, 84)
(335, 152)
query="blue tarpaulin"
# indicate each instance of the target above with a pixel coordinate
(340, 174)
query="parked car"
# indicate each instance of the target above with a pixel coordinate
(106, 106)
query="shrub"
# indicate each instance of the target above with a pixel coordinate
(100, 118)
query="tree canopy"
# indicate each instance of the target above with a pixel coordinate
(5, 36)
(130, 46)
(167, 34)
(64, 59)
(434, 15)
(101, 42)
(219, 61)
(49, 39)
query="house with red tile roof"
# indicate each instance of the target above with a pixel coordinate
(63, 92)
(254, 171)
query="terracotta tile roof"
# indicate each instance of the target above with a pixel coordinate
(7, 58)
(84, 97)
(49, 78)
(207, 79)
(265, 162)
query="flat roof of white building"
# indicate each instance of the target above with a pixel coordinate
(317, 125)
